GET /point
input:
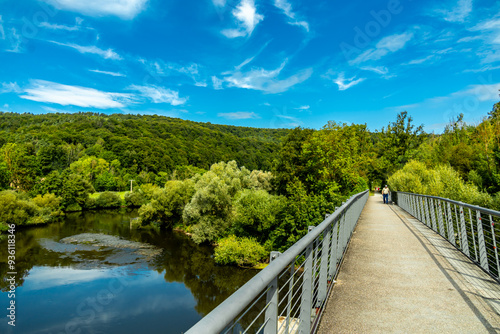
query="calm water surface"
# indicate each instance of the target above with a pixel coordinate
(81, 288)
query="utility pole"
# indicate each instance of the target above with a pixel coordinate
(131, 185)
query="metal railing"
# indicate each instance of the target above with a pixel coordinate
(288, 296)
(472, 229)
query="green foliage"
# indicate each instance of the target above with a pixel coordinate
(300, 211)
(167, 204)
(74, 190)
(255, 213)
(20, 210)
(134, 199)
(442, 181)
(73, 207)
(239, 251)
(108, 199)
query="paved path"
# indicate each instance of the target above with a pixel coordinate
(398, 276)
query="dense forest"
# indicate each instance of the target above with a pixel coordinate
(245, 190)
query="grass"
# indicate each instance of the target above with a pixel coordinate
(119, 193)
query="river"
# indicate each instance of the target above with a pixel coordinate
(163, 284)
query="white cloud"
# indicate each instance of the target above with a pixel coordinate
(483, 69)
(53, 26)
(385, 46)
(92, 49)
(247, 17)
(377, 69)
(421, 60)
(239, 115)
(344, 83)
(286, 7)
(51, 92)
(457, 14)
(486, 92)
(159, 94)
(489, 32)
(217, 83)
(266, 81)
(125, 9)
(303, 108)
(15, 41)
(10, 87)
(114, 74)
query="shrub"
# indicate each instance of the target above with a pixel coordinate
(73, 207)
(108, 199)
(90, 203)
(239, 251)
(49, 204)
(134, 199)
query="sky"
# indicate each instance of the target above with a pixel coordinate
(258, 63)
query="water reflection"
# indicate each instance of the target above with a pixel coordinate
(63, 290)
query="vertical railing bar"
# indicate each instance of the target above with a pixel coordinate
(465, 239)
(473, 234)
(492, 224)
(483, 256)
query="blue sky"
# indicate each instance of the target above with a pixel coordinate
(260, 63)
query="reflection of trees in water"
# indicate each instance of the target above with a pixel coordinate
(182, 260)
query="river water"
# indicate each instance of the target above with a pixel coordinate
(161, 283)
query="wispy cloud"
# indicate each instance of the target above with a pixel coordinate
(265, 80)
(377, 69)
(247, 18)
(458, 13)
(159, 94)
(483, 69)
(15, 41)
(239, 115)
(92, 49)
(489, 32)
(114, 74)
(303, 108)
(421, 60)
(345, 83)
(125, 9)
(10, 87)
(54, 26)
(159, 68)
(385, 46)
(286, 7)
(52, 92)
(216, 82)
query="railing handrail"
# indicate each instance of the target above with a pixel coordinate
(223, 314)
(466, 205)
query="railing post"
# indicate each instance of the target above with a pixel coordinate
(433, 215)
(492, 223)
(306, 297)
(272, 302)
(451, 230)
(465, 240)
(473, 235)
(440, 219)
(333, 252)
(483, 256)
(323, 272)
(427, 212)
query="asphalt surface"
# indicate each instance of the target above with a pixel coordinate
(397, 279)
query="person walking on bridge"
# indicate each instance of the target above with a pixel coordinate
(385, 194)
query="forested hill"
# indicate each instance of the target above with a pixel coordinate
(139, 142)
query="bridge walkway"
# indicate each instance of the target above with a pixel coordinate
(401, 277)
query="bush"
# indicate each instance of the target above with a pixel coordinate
(108, 199)
(254, 213)
(134, 199)
(73, 207)
(90, 203)
(18, 209)
(49, 204)
(239, 251)
(442, 181)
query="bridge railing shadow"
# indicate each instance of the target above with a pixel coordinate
(473, 230)
(289, 295)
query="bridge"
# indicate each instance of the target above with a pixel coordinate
(423, 264)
